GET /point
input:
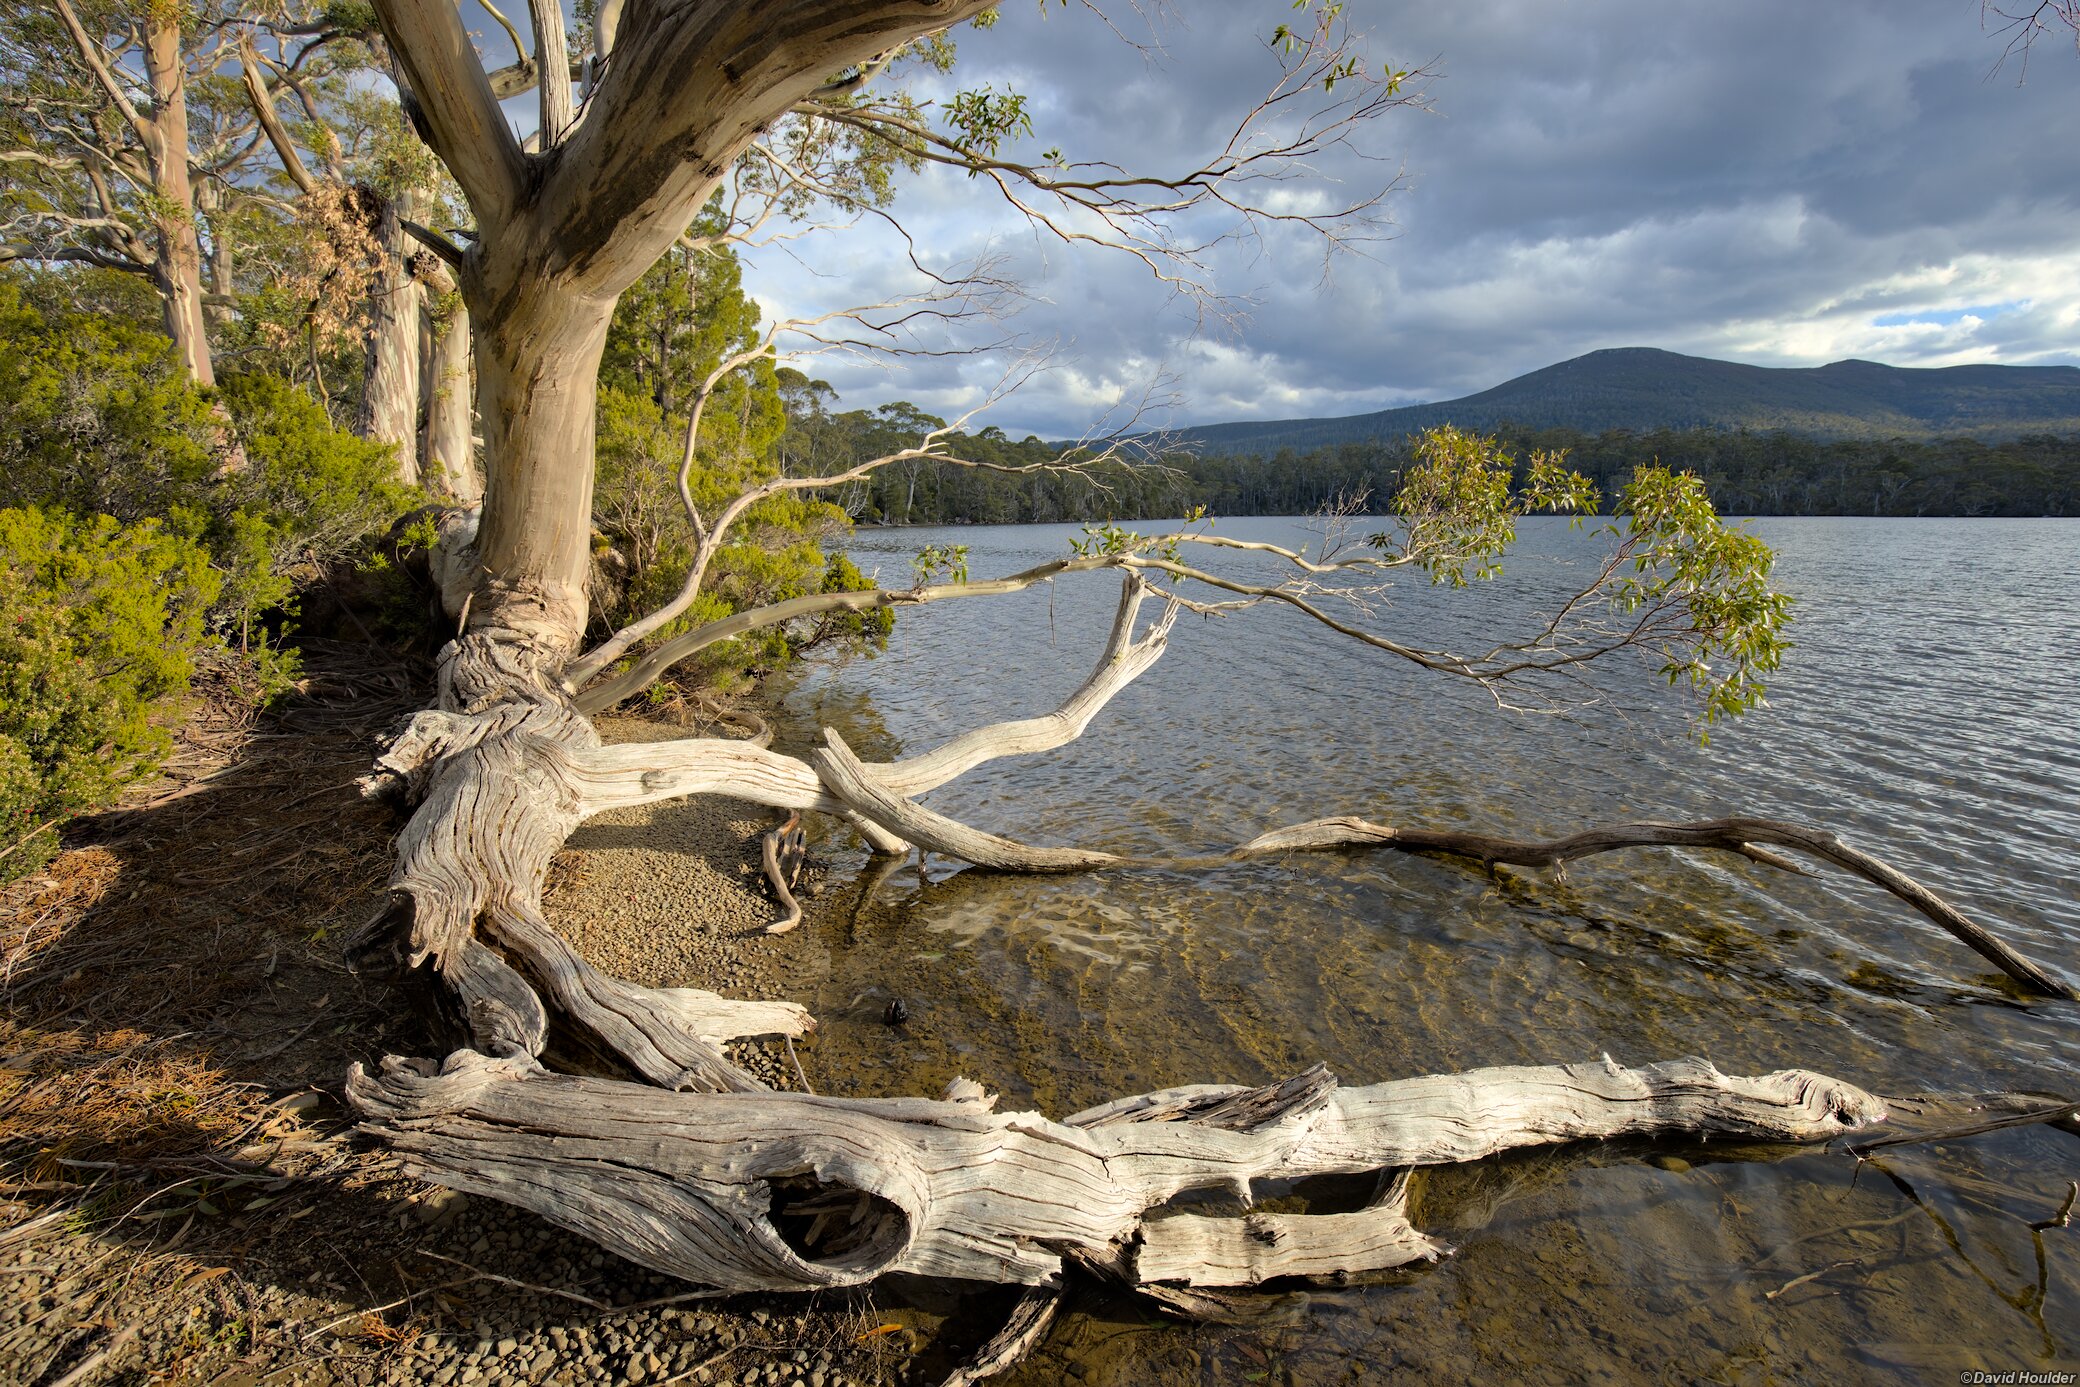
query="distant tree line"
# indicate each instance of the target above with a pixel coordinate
(1747, 473)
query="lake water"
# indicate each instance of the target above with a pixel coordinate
(1926, 713)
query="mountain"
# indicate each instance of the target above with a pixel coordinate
(1643, 389)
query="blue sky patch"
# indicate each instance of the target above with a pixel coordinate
(1944, 317)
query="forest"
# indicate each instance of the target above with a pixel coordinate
(1745, 473)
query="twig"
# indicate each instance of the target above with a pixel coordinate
(2064, 1217)
(604, 1307)
(41, 828)
(788, 1041)
(405, 1299)
(94, 1361)
(708, 1362)
(1798, 1281)
(271, 1052)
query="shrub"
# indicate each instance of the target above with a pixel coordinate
(309, 493)
(99, 626)
(96, 418)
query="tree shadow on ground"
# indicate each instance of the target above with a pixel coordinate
(181, 1195)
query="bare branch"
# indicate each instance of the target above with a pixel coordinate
(1279, 139)
(468, 129)
(2025, 24)
(270, 119)
(512, 32)
(90, 53)
(1729, 835)
(440, 245)
(552, 64)
(80, 255)
(710, 539)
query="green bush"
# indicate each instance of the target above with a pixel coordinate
(309, 493)
(96, 418)
(99, 626)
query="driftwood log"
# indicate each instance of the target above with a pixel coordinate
(701, 1171)
(786, 1191)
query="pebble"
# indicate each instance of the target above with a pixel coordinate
(490, 1336)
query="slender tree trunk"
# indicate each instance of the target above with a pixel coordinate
(538, 347)
(390, 379)
(449, 459)
(222, 262)
(177, 252)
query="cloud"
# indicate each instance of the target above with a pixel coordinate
(1775, 182)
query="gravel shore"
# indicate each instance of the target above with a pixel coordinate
(182, 1199)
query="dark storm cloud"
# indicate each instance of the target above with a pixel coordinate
(1777, 182)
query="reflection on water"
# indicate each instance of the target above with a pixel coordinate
(1926, 713)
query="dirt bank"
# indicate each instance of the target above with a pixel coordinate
(181, 1197)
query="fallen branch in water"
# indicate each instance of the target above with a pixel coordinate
(1027, 1325)
(1743, 836)
(789, 1192)
(783, 851)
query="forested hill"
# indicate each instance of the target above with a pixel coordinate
(1643, 389)
(1748, 473)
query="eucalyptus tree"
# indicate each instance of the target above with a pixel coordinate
(101, 159)
(361, 180)
(696, 1168)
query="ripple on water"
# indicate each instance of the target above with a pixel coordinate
(1926, 713)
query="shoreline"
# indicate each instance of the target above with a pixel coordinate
(181, 1192)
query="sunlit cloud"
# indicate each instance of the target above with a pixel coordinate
(1778, 182)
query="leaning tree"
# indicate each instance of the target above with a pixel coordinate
(667, 1152)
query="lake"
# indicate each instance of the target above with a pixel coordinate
(1926, 713)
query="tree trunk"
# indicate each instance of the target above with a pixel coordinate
(177, 250)
(538, 347)
(390, 373)
(221, 264)
(449, 457)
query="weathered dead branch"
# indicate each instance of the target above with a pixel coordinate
(783, 850)
(733, 1189)
(703, 1173)
(1028, 1324)
(1727, 835)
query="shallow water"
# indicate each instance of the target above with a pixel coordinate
(1926, 713)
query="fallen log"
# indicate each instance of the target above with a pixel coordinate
(786, 1191)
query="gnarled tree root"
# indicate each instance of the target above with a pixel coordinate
(783, 1191)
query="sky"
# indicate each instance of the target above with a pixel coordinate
(1779, 182)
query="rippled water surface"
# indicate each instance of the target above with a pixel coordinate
(1927, 713)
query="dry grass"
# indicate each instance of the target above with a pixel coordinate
(150, 975)
(164, 982)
